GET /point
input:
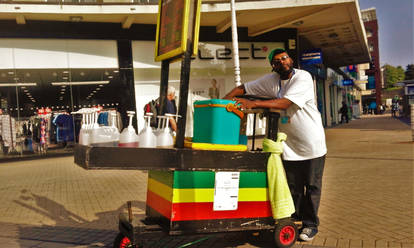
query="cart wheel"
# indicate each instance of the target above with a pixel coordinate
(285, 234)
(121, 241)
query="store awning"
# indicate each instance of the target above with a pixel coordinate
(335, 26)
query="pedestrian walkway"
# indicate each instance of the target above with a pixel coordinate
(367, 197)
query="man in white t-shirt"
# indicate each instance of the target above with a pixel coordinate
(292, 91)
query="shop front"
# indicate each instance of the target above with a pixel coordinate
(44, 81)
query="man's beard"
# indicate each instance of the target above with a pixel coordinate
(284, 73)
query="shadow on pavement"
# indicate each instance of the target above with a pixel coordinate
(71, 229)
(376, 123)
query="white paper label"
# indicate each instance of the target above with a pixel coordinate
(226, 191)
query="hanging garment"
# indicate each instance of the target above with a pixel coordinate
(8, 130)
(64, 123)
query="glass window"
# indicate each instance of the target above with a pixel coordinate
(37, 97)
(369, 32)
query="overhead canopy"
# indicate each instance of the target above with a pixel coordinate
(335, 26)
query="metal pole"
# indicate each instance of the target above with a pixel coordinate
(165, 69)
(235, 44)
(184, 85)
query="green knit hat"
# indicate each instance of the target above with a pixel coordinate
(275, 52)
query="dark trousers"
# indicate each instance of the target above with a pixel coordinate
(305, 183)
(344, 117)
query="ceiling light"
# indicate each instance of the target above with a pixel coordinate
(65, 72)
(98, 88)
(23, 87)
(10, 72)
(17, 84)
(116, 71)
(80, 83)
(94, 91)
(110, 77)
(26, 90)
(64, 77)
(106, 73)
(100, 85)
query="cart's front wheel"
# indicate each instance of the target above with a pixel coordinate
(286, 233)
(122, 241)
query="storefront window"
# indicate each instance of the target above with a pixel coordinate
(38, 98)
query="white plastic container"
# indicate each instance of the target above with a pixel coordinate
(128, 137)
(147, 137)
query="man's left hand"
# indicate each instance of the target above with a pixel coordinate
(244, 103)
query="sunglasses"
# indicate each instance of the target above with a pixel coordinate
(278, 61)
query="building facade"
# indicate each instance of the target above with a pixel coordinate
(374, 72)
(60, 57)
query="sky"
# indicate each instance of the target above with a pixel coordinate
(396, 24)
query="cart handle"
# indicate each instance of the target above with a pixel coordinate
(230, 107)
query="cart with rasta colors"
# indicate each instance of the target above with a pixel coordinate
(182, 190)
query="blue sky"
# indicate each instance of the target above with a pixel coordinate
(396, 36)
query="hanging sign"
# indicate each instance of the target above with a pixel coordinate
(178, 21)
(311, 57)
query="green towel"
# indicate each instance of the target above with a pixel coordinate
(279, 193)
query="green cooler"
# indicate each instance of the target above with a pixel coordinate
(216, 121)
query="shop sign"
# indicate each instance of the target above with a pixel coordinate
(347, 82)
(311, 57)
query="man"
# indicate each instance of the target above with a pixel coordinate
(344, 112)
(170, 107)
(293, 92)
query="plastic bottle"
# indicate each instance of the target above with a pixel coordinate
(84, 133)
(147, 137)
(128, 137)
(165, 137)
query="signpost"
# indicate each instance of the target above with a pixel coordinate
(178, 23)
(176, 39)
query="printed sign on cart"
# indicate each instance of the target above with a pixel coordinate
(226, 191)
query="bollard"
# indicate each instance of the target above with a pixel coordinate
(412, 121)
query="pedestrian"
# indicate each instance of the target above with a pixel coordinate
(344, 112)
(170, 107)
(372, 107)
(292, 91)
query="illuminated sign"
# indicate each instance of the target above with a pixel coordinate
(311, 57)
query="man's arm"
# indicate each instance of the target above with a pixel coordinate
(282, 103)
(173, 124)
(238, 91)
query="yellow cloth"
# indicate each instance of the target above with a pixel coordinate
(279, 193)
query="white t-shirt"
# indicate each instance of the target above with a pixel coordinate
(302, 121)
